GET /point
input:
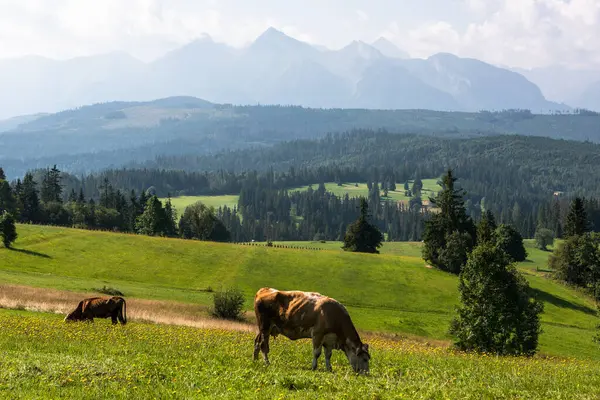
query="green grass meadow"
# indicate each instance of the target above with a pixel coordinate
(45, 358)
(392, 292)
(180, 203)
(430, 188)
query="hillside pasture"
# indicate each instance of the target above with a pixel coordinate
(430, 189)
(180, 203)
(45, 358)
(384, 293)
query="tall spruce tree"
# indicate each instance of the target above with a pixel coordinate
(486, 227)
(29, 201)
(51, 190)
(576, 223)
(449, 234)
(361, 236)
(152, 221)
(7, 199)
(170, 218)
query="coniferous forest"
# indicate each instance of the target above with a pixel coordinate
(526, 182)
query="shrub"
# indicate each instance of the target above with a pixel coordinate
(544, 238)
(228, 304)
(8, 231)
(109, 290)
(319, 236)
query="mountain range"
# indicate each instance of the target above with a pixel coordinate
(274, 69)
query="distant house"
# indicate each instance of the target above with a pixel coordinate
(557, 194)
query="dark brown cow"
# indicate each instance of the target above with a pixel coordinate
(99, 307)
(303, 315)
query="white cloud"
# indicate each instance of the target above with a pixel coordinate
(510, 32)
(525, 33)
(363, 17)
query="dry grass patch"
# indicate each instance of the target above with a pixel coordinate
(160, 312)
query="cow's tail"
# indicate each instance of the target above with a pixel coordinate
(124, 311)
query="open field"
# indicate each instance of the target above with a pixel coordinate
(430, 188)
(537, 259)
(384, 293)
(180, 203)
(43, 357)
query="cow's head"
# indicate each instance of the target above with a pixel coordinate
(359, 358)
(75, 315)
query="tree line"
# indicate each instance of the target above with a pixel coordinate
(28, 201)
(515, 177)
(267, 209)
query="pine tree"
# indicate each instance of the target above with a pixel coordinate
(417, 186)
(577, 223)
(449, 234)
(81, 197)
(28, 200)
(486, 227)
(7, 200)
(170, 218)
(72, 196)
(497, 314)
(152, 221)
(8, 230)
(51, 188)
(361, 236)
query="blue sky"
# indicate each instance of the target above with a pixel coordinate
(523, 33)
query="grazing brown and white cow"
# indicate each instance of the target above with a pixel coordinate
(99, 307)
(303, 315)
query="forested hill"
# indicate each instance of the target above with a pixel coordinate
(522, 165)
(112, 134)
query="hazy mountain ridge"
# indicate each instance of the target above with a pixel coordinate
(274, 69)
(114, 133)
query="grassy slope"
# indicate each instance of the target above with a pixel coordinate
(42, 357)
(384, 292)
(430, 188)
(180, 203)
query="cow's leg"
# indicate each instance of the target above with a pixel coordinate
(317, 341)
(113, 318)
(257, 341)
(264, 346)
(328, 351)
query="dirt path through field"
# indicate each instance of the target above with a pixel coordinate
(160, 312)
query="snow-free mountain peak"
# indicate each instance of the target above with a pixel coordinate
(389, 49)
